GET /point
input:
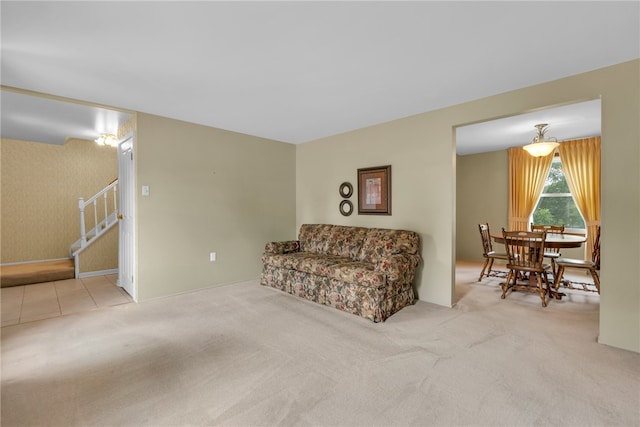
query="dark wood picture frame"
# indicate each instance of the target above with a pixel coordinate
(374, 190)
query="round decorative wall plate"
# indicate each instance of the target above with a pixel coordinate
(346, 207)
(346, 189)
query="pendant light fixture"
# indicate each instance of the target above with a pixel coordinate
(107, 139)
(540, 146)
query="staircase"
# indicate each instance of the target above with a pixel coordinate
(36, 272)
(99, 214)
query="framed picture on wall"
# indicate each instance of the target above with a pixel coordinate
(374, 190)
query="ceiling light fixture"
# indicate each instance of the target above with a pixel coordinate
(107, 139)
(540, 146)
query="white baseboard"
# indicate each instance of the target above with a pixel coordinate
(97, 273)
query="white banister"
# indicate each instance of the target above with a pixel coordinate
(102, 219)
(83, 231)
(106, 215)
(95, 211)
(115, 201)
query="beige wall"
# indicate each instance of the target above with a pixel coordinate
(210, 190)
(41, 184)
(101, 255)
(422, 154)
(482, 193)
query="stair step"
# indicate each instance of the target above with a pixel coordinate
(38, 272)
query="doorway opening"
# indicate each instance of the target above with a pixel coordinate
(482, 172)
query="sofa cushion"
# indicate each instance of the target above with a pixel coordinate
(345, 241)
(360, 273)
(380, 243)
(313, 237)
(317, 264)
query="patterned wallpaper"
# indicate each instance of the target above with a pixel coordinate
(128, 126)
(39, 191)
(102, 255)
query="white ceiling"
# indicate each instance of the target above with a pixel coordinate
(44, 119)
(573, 121)
(299, 71)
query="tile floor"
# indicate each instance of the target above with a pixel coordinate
(27, 303)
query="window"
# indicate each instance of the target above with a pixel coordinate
(556, 205)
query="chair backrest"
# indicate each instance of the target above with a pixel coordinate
(525, 249)
(595, 255)
(485, 235)
(549, 229)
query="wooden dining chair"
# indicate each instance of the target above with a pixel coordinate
(592, 266)
(551, 254)
(487, 251)
(525, 252)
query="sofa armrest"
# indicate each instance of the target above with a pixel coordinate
(284, 247)
(399, 267)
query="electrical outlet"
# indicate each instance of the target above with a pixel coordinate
(212, 256)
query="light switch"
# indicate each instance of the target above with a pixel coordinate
(145, 190)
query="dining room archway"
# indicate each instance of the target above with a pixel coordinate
(481, 170)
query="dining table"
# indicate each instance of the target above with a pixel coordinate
(553, 240)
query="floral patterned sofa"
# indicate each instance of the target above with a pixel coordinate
(364, 271)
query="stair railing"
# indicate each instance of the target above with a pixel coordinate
(103, 210)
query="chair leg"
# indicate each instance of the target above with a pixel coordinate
(484, 267)
(505, 285)
(596, 279)
(541, 289)
(558, 277)
(490, 266)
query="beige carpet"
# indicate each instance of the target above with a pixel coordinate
(38, 272)
(246, 355)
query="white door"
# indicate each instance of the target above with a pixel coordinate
(126, 242)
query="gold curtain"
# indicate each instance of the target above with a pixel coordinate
(527, 175)
(581, 164)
